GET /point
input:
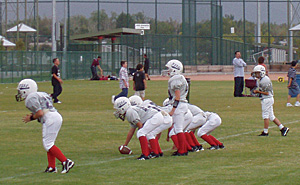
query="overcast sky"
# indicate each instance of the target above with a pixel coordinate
(278, 11)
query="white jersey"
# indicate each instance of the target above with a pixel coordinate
(166, 108)
(265, 85)
(39, 101)
(195, 110)
(148, 103)
(141, 114)
(178, 82)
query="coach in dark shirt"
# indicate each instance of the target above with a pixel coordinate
(56, 81)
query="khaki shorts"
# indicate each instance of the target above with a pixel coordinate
(140, 93)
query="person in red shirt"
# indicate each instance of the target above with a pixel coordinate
(261, 61)
(94, 67)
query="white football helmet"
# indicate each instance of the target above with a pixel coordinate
(175, 67)
(261, 69)
(135, 100)
(26, 87)
(166, 102)
(121, 105)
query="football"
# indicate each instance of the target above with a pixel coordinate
(123, 149)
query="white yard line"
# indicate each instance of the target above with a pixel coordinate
(130, 156)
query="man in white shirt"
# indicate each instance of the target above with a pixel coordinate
(239, 65)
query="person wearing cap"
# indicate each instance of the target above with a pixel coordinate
(94, 67)
(293, 85)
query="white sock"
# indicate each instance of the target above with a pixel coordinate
(266, 130)
(280, 126)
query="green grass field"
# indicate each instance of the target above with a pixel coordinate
(90, 136)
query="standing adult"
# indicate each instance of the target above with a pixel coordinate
(94, 66)
(56, 80)
(239, 65)
(146, 66)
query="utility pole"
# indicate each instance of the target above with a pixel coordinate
(290, 33)
(18, 34)
(53, 25)
(5, 17)
(258, 24)
(0, 17)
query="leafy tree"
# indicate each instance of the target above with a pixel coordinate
(105, 21)
(121, 21)
(79, 24)
(20, 45)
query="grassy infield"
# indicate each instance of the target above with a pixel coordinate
(90, 136)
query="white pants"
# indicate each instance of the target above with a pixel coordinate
(155, 125)
(198, 120)
(213, 121)
(267, 108)
(188, 117)
(179, 117)
(140, 93)
(51, 127)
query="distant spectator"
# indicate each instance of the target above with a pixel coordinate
(239, 65)
(124, 82)
(261, 61)
(293, 85)
(56, 80)
(139, 82)
(146, 66)
(94, 66)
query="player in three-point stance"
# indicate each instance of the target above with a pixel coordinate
(266, 96)
(41, 106)
(150, 121)
(208, 122)
(178, 90)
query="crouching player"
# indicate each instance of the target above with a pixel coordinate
(150, 121)
(266, 96)
(40, 104)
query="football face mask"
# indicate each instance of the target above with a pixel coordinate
(117, 114)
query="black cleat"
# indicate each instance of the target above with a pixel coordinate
(221, 146)
(179, 154)
(51, 170)
(263, 134)
(213, 147)
(284, 131)
(200, 148)
(67, 165)
(143, 157)
(153, 155)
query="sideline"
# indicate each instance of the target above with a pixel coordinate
(131, 156)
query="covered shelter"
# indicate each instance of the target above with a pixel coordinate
(6, 43)
(108, 34)
(21, 28)
(295, 28)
